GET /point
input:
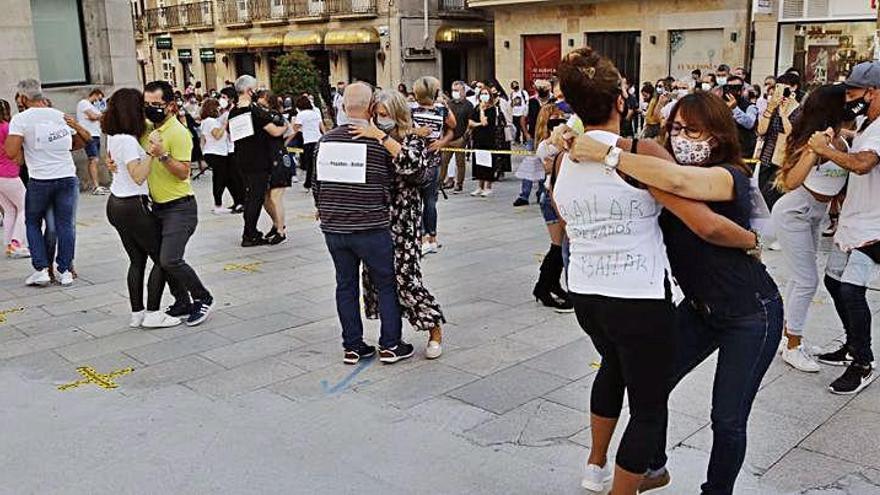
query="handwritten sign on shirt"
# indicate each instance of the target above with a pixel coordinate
(483, 158)
(342, 162)
(241, 126)
(53, 137)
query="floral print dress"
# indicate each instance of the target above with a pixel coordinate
(417, 304)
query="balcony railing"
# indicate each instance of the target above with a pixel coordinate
(234, 12)
(452, 6)
(184, 16)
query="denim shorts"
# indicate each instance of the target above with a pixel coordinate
(93, 147)
(547, 210)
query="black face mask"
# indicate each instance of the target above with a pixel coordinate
(155, 115)
(553, 123)
(543, 93)
(855, 108)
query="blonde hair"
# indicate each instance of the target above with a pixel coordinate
(426, 90)
(398, 109)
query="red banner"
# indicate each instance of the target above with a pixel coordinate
(541, 54)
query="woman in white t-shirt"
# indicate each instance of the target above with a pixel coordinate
(215, 148)
(797, 215)
(308, 121)
(128, 207)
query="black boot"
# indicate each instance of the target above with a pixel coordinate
(543, 288)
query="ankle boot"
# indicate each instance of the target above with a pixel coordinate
(543, 288)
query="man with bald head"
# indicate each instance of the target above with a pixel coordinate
(352, 193)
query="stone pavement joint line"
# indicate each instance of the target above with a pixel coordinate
(5, 312)
(243, 267)
(92, 376)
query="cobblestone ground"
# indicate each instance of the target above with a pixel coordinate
(258, 401)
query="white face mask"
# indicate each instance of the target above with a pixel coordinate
(706, 87)
(385, 123)
(690, 152)
(456, 95)
(224, 103)
(721, 80)
(413, 105)
(484, 98)
(681, 93)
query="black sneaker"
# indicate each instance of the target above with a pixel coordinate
(200, 311)
(237, 209)
(353, 356)
(258, 240)
(840, 357)
(179, 309)
(397, 353)
(854, 379)
(520, 202)
(276, 239)
(565, 305)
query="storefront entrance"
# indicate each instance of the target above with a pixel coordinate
(244, 64)
(824, 52)
(362, 65)
(623, 48)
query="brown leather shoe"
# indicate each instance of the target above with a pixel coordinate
(655, 484)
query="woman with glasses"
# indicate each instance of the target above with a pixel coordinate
(731, 303)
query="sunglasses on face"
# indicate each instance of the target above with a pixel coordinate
(154, 104)
(690, 132)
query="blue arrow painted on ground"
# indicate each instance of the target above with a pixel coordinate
(343, 384)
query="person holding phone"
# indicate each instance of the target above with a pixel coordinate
(774, 125)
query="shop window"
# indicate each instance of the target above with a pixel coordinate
(169, 73)
(60, 40)
(824, 52)
(362, 65)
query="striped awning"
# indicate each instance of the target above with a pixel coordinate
(265, 40)
(341, 39)
(304, 40)
(231, 43)
(450, 36)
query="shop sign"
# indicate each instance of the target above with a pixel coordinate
(207, 55)
(185, 54)
(541, 55)
(694, 49)
(762, 6)
(163, 43)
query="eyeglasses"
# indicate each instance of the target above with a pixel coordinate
(154, 104)
(690, 132)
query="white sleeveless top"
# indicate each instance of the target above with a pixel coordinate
(827, 179)
(617, 247)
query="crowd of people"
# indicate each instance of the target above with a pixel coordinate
(657, 204)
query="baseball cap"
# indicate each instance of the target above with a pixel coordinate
(864, 75)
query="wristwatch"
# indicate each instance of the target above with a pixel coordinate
(164, 157)
(759, 245)
(384, 138)
(612, 159)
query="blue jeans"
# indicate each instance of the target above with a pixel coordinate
(60, 196)
(746, 346)
(526, 190)
(49, 234)
(376, 250)
(429, 200)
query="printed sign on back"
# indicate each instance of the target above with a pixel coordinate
(342, 162)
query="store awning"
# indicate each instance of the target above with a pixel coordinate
(351, 39)
(450, 36)
(304, 40)
(265, 40)
(231, 43)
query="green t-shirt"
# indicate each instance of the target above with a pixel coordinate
(165, 186)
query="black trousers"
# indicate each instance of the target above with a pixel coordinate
(307, 163)
(635, 339)
(141, 237)
(235, 180)
(256, 186)
(222, 178)
(179, 219)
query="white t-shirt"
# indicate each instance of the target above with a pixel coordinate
(93, 126)
(520, 107)
(124, 149)
(617, 248)
(219, 147)
(859, 222)
(667, 109)
(310, 120)
(341, 118)
(47, 142)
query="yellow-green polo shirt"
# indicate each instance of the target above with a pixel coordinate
(164, 186)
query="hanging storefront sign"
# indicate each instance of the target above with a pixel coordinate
(762, 6)
(207, 55)
(184, 54)
(163, 43)
(541, 55)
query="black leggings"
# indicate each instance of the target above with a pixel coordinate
(222, 179)
(307, 163)
(635, 339)
(141, 237)
(256, 187)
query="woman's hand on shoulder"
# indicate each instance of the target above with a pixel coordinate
(366, 131)
(562, 137)
(586, 149)
(421, 131)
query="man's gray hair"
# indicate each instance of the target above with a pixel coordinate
(245, 83)
(357, 98)
(30, 89)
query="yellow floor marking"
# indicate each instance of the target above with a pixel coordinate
(243, 267)
(596, 364)
(91, 376)
(5, 312)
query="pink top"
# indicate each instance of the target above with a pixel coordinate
(8, 168)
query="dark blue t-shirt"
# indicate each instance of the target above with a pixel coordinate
(727, 280)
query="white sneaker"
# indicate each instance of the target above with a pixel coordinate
(221, 210)
(158, 319)
(775, 246)
(294, 180)
(486, 193)
(39, 278)
(433, 350)
(596, 477)
(798, 359)
(477, 192)
(20, 253)
(137, 319)
(65, 278)
(428, 247)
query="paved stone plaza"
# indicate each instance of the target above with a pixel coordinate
(257, 400)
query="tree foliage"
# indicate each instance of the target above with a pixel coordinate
(296, 74)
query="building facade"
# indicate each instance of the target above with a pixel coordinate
(70, 45)
(384, 42)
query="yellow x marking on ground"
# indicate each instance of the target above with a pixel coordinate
(244, 267)
(5, 312)
(91, 376)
